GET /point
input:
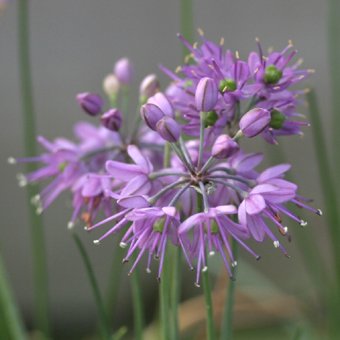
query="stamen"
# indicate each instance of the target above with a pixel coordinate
(234, 264)
(96, 242)
(204, 269)
(276, 244)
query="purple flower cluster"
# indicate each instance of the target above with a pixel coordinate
(182, 178)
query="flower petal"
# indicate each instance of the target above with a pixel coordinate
(139, 159)
(254, 204)
(273, 172)
(122, 171)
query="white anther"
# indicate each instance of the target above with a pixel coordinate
(303, 223)
(320, 213)
(234, 264)
(22, 181)
(11, 160)
(148, 270)
(211, 253)
(276, 244)
(204, 269)
(96, 241)
(122, 245)
(70, 225)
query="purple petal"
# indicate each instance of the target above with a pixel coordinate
(122, 171)
(139, 185)
(274, 171)
(190, 222)
(139, 158)
(256, 227)
(134, 202)
(254, 204)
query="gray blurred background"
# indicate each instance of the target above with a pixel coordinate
(74, 45)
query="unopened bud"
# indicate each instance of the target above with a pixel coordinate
(224, 147)
(206, 95)
(148, 87)
(111, 85)
(254, 122)
(90, 102)
(124, 71)
(168, 129)
(112, 119)
(155, 109)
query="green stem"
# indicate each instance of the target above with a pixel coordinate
(331, 206)
(11, 323)
(175, 290)
(164, 288)
(103, 321)
(206, 288)
(114, 282)
(228, 315)
(187, 22)
(29, 132)
(334, 57)
(137, 305)
(164, 299)
(208, 305)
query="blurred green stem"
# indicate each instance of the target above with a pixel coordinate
(331, 207)
(175, 289)
(208, 305)
(11, 323)
(137, 305)
(207, 289)
(187, 22)
(164, 288)
(114, 282)
(103, 321)
(334, 57)
(228, 314)
(29, 132)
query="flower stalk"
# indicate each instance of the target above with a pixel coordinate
(29, 134)
(103, 320)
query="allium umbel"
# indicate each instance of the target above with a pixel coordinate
(209, 192)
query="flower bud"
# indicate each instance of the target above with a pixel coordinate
(155, 109)
(224, 147)
(111, 85)
(168, 129)
(277, 119)
(124, 71)
(148, 87)
(254, 122)
(90, 102)
(272, 75)
(227, 85)
(112, 119)
(206, 95)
